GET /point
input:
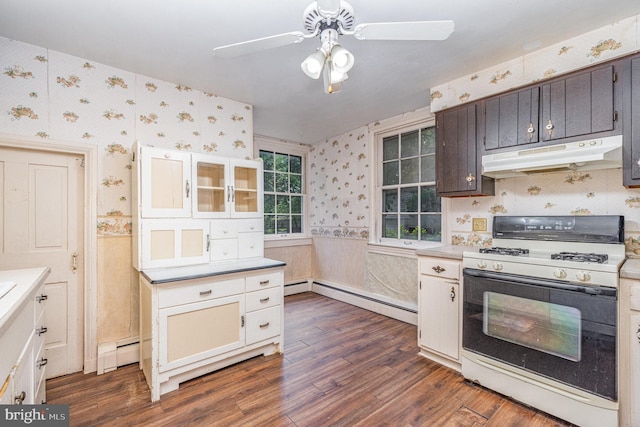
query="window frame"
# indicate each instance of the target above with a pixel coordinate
(402, 124)
(296, 149)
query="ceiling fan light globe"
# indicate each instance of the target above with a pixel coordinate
(341, 59)
(313, 64)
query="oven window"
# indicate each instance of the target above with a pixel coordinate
(551, 328)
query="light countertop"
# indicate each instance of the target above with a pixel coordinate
(448, 251)
(631, 269)
(27, 282)
(163, 275)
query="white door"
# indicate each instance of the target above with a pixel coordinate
(41, 224)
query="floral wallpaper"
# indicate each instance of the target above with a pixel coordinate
(338, 186)
(54, 96)
(611, 41)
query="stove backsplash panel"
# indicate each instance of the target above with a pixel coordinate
(560, 193)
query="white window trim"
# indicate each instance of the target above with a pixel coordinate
(267, 143)
(421, 117)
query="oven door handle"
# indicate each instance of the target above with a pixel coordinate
(526, 280)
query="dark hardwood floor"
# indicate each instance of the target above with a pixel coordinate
(342, 366)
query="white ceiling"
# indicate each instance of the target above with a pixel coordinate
(172, 40)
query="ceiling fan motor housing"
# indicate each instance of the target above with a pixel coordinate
(314, 20)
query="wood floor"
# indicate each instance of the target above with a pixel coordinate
(342, 366)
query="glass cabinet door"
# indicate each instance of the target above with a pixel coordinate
(212, 190)
(247, 188)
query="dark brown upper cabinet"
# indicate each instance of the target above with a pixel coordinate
(512, 119)
(580, 104)
(457, 158)
(631, 134)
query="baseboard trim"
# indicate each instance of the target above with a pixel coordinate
(351, 296)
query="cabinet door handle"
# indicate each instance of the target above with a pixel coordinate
(41, 330)
(42, 362)
(187, 188)
(453, 294)
(208, 242)
(264, 325)
(638, 334)
(242, 321)
(264, 282)
(205, 293)
(20, 398)
(263, 300)
(638, 162)
(74, 263)
(41, 297)
(470, 178)
(531, 130)
(228, 193)
(233, 194)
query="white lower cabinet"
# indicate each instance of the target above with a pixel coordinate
(439, 308)
(629, 357)
(195, 326)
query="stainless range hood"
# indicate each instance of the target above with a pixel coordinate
(591, 154)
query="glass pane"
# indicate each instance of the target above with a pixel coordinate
(296, 204)
(283, 224)
(390, 173)
(547, 327)
(429, 202)
(431, 228)
(269, 179)
(390, 200)
(409, 227)
(282, 162)
(390, 148)
(295, 164)
(295, 184)
(282, 205)
(409, 144)
(267, 159)
(296, 223)
(409, 200)
(282, 182)
(428, 141)
(409, 170)
(269, 224)
(269, 203)
(390, 226)
(428, 168)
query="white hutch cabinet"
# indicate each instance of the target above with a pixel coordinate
(208, 297)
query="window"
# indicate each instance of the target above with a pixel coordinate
(409, 209)
(283, 193)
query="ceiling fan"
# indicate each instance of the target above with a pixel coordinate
(330, 19)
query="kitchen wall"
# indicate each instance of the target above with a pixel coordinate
(56, 97)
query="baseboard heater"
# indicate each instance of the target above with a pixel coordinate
(114, 354)
(366, 297)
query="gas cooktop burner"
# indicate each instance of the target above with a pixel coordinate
(504, 251)
(580, 257)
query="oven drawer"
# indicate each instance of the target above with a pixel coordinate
(440, 267)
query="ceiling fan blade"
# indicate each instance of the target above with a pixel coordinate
(257, 45)
(416, 30)
(328, 8)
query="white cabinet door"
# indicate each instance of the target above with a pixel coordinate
(172, 243)
(635, 369)
(246, 198)
(192, 332)
(439, 315)
(165, 183)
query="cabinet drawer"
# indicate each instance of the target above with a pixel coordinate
(250, 245)
(265, 298)
(263, 281)
(224, 229)
(263, 324)
(223, 249)
(440, 267)
(250, 225)
(185, 294)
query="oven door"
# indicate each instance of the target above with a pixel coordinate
(563, 331)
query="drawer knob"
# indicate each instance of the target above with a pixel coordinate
(438, 269)
(41, 330)
(42, 297)
(263, 300)
(20, 398)
(42, 362)
(205, 293)
(264, 325)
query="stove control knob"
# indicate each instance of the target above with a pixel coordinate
(583, 276)
(560, 273)
(482, 264)
(497, 266)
